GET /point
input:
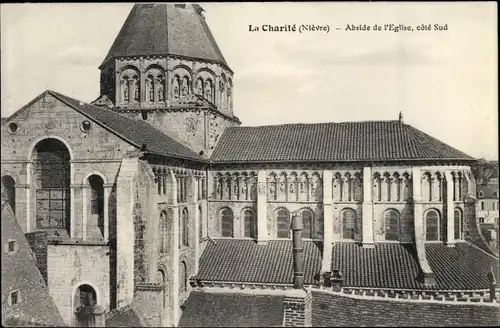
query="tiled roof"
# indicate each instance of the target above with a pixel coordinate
(19, 272)
(395, 266)
(338, 311)
(126, 316)
(232, 310)
(136, 132)
(348, 141)
(233, 260)
(166, 29)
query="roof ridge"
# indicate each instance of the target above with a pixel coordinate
(317, 123)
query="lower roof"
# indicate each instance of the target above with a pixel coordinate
(387, 265)
(232, 310)
(396, 266)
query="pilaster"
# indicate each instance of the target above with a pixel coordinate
(125, 231)
(450, 221)
(327, 221)
(193, 208)
(262, 233)
(173, 216)
(367, 208)
(428, 275)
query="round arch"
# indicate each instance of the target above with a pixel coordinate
(39, 139)
(203, 72)
(155, 66)
(94, 172)
(131, 67)
(86, 282)
(432, 224)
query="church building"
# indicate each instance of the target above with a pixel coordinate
(144, 200)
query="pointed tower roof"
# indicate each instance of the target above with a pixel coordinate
(166, 29)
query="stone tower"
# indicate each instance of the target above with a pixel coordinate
(165, 67)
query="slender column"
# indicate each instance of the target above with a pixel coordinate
(85, 192)
(367, 208)
(72, 201)
(168, 91)
(450, 222)
(327, 221)
(29, 226)
(107, 191)
(261, 207)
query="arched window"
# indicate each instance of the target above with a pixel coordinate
(52, 183)
(175, 87)
(432, 225)
(250, 224)
(9, 191)
(481, 220)
(222, 90)
(150, 88)
(349, 224)
(85, 299)
(159, 87)
(391, 220)
(200, 224)
(208, 92)
(185, 227)
(199, 86)
(307, 222)
(226, 223)
(283, 223)
(163, 232)
(458, 224)
(185, 86)
(183, 278)
(95, 221)
(136, 88)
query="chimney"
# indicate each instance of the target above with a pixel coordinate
(493, 284)
(298, 301)
(298, 252)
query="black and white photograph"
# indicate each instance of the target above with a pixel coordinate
(249, 164)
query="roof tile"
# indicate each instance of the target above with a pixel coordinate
(232, 310)
(166, 29)
(395, 266)
(137, 132)
(347, 141)
(236, 260)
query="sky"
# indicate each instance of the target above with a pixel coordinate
(444, 82)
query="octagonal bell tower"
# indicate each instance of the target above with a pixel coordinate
(165, 67)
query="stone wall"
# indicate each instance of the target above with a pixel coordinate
(337, 311)
(69, 266)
